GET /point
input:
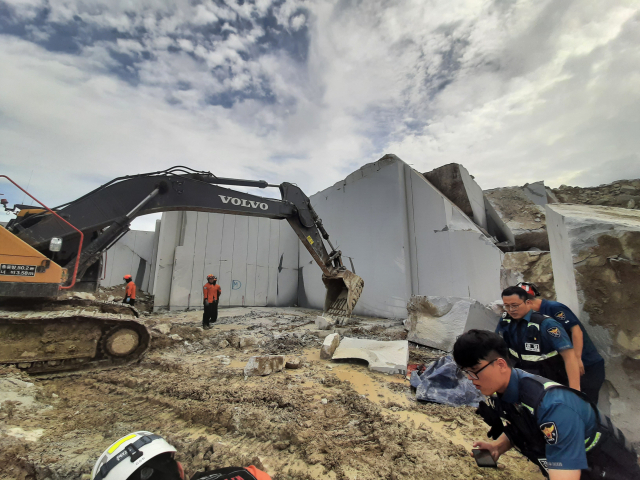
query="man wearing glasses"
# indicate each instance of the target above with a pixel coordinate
(537, 344)
(555, 427)
(590, 362)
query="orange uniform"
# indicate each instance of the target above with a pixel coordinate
(211, 292)
(131, 290)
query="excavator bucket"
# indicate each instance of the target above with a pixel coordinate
(343, 291)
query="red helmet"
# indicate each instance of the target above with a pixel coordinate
(530, 288)
(211, 276)
(127, 277)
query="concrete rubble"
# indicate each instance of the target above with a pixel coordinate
(528, 267)
(329, 346)
(437, 321)
(324, 323)
(386, 357)
(596, 266)
(264, 365)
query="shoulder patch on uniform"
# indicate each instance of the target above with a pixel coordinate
(554, 332)
(504, 315)
(560, 316)
(550, 432)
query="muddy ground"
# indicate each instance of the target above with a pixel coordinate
(323, 420)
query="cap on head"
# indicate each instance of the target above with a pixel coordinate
(128, 454)
(127, 277)
(212, 276)
(530, 288)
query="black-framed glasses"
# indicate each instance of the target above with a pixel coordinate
(512, 307)
(474, 375)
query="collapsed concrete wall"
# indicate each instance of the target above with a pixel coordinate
(455, 182)
(524, 218)
(255, 260)
(131, 255)
(528, 267)
(596, 267)
(404, 237)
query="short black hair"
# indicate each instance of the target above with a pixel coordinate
(520, 292)
(477, 345)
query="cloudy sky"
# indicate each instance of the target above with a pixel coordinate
(308, 91)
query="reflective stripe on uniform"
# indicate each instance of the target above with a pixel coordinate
(514, 353)
(538, 358)
(534, 324)
(596, 439)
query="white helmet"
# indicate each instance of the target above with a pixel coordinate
(126, 455)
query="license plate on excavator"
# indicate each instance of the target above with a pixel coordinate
(343, 291)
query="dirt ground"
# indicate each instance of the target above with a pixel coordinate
(324, 420)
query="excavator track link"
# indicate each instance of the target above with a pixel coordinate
(77, 339)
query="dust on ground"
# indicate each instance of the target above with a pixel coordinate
(324, 420)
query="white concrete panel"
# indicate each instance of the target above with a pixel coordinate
(476, 197)
(238, 287)
(273, 259)
(198, 277)
(183, 263)
(226, 258)
(262, 285)
(288, 245)
(169, 234)
(124, 258)
(181, 281)
(252, 260)
(215, 225)
(366, 217)
(562, 260)
(287, 292)
(154, 257)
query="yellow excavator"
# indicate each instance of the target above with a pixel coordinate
(45, 252)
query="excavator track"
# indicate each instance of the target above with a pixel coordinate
(71, 336)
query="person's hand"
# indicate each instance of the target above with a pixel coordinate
(581, 366)
(127, 299)
(206, 303)
(491, 446)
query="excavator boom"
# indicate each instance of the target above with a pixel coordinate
(105, 214)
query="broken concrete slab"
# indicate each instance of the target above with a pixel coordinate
(524, 218)
(596, 267)
(437, 321)
(264, 365)
(455, 183)
(329, 346)
(528, 266)
(293, 362)
(386, 357)
(536, 192)
(163, 328)
(247, 341)
(324, 323)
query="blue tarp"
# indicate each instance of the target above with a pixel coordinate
(441, 383)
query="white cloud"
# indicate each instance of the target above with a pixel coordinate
(515, 91)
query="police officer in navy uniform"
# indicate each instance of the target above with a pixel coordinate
(537, 344)
(590, 363)
(554, 426)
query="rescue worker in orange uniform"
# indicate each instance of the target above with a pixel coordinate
(211, 294)
(130, 291)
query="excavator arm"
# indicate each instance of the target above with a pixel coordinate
(105, 214)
